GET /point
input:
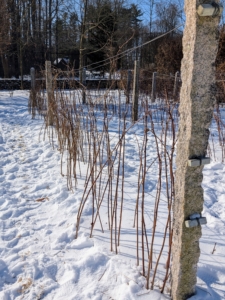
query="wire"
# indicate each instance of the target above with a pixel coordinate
(131, 49)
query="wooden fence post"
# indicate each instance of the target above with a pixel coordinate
(129, 76)
(135, 91)
(49, 91)
(32, 78)
(84, 85)
(32, 98)
(200, 43)
(154, 75)
(176, 80)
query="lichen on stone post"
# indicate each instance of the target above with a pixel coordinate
(200, 43)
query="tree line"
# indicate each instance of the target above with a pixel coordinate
(87, 33)
(100, 34)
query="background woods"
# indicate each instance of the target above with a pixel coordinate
(82, 33)
(91, 32)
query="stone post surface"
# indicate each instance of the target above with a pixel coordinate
(196, 107)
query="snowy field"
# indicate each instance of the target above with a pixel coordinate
(39, 255)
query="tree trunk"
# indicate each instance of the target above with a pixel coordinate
(21, 65)
(33, 18)
(83, 26)
(5, 65)
(50, 29)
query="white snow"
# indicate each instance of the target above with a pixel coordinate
(39, 256)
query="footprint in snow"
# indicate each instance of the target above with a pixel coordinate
(10, 177)
(10, 235)
(51, 271)
(2, 149)
(39, 151)
(12, 169)
(6, 215)
(49, 154)
(5, 162)
(4, 204)
(13, 243)
(32, 159)
(17, 213)
(81, 243)
(41, 186)
(47, 232)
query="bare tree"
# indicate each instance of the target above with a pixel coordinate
(168, 16)
(4, 35)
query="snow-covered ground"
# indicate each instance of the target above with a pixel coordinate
(39, 257)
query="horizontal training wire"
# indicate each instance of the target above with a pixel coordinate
(130, 50)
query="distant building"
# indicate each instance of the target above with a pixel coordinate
(62, 63)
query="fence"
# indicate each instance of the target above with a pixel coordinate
(149, 83)
(97, 134)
